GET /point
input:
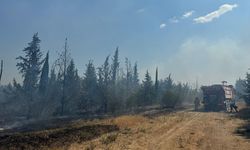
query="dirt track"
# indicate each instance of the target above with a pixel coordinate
(152, 130)
(181, 130)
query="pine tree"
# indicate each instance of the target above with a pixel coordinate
(70, 73)
(52, 78)
(71, 79)
(129, 76)
(44, 75)
(1, 70)
(240, 87)
(72, 87)
(115, 66)
(169, 82)
(247, 89)
(156, 81)
(90, 79)
(89, 98)
(51, 102)
(156, 86)
(135, 76)
(104, 82)
(30, 67)
(106, 70)
(100, 75)
(148, 90)
(63, 62)
(54, 88)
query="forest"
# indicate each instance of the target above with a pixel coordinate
(57, 89)
(124, 75)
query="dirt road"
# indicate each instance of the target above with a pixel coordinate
(181, 130)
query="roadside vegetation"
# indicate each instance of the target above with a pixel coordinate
(54, 88)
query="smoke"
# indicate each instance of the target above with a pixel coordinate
(209, 61)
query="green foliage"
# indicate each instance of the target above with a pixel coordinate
(114, 105)
(129, 77)
(247, 89)
(147, 91)
(104, 83)
(170, 99)
(240, 87)
(115, 66)
(106, 72)
(156, 81)
(54, 94)
(112, 89)
(29, 65)
(72, 88)
(62, 64)
(90, 91)
(44, 76)
(135, 76)
(134, 99)
(1, 70)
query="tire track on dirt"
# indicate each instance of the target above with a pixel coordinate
(178, 129)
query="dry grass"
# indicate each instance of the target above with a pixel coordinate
(129, 121)
(178, 130)
(109, 138)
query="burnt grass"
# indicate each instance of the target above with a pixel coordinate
(53, 138)
(244, 130)
(60, 133)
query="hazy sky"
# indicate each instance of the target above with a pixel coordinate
(204, 39)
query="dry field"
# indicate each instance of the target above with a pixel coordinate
(184, 129)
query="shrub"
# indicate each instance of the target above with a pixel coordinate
(169, 99)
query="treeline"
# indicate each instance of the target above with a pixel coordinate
(58, 89)
(243, 89)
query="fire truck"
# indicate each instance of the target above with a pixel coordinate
(215, 97)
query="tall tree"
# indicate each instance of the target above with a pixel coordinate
(100, 75)
(44, 75)
(90, 94)
(30, 67)
(106, 70)
(156, 90)
(71, 73)
(63, 62)
(148, 90)
(247, 89)
(54, 88)
(135, 76)
(168, 83)
(156, 80)
(115, 66)
(240, 87)
(52, 79)
(72, 87)
(1, 70)
(128, 76)
(103, 83)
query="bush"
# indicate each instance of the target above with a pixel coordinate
(170, 99)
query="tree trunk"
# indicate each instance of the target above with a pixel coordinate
(1, 70)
